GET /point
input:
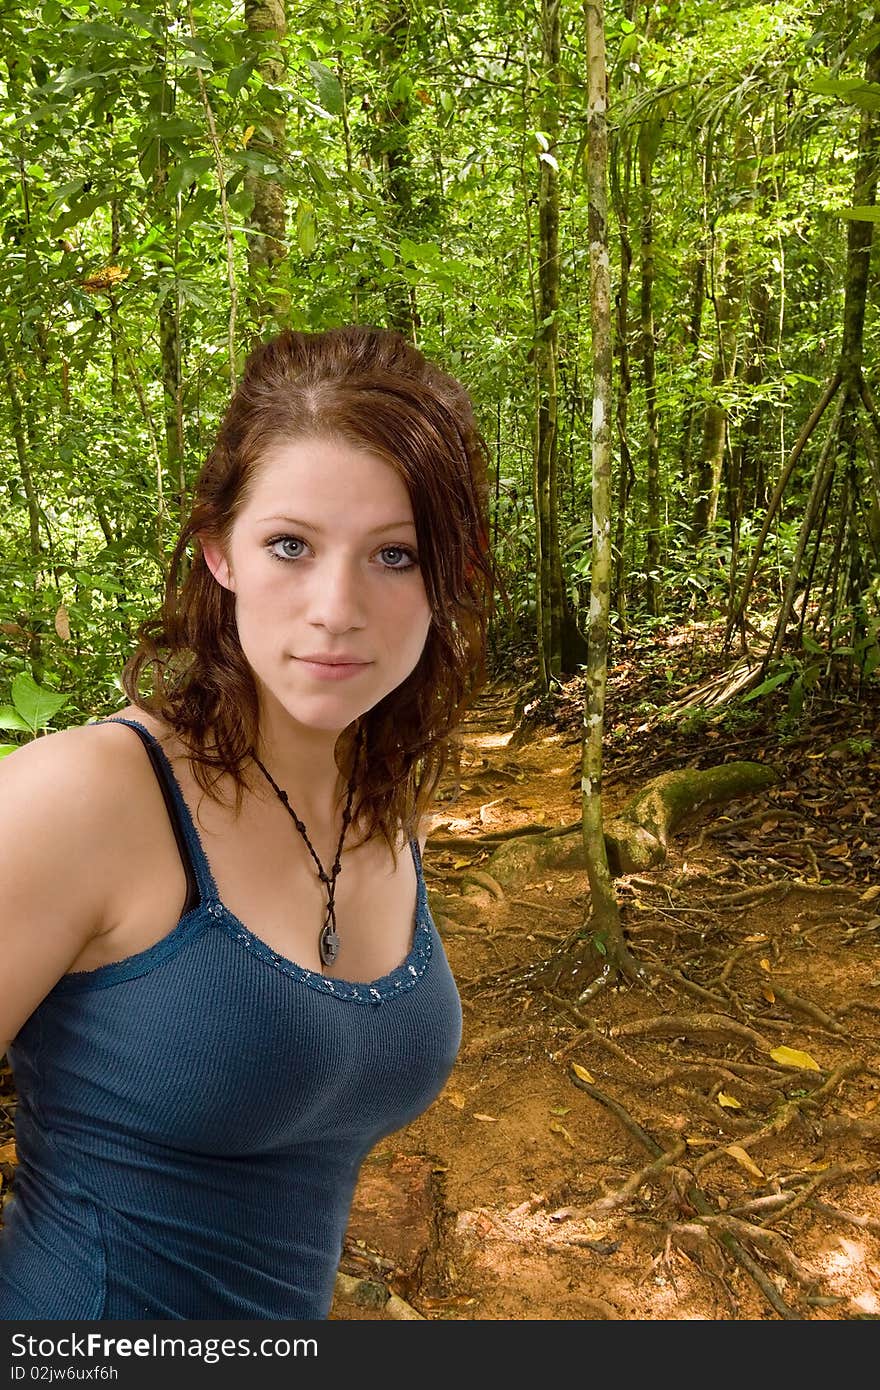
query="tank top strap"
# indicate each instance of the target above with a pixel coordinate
(417, 855)
(201, 887)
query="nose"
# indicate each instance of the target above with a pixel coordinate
(336, 600)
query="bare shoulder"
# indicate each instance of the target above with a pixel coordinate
(87, 768)
(67, 804)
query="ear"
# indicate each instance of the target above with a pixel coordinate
(217, 562)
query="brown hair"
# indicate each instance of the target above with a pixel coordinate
(374, 390)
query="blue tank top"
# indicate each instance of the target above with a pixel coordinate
(192, 1119)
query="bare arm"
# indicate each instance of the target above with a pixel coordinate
(56, 810)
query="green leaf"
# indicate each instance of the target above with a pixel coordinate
(770, 684)
(11, 719)
(187, 171)
(238, 78)
(853, 90)
(862, 214)
(550, 159)
(419, 252)
(35, 703)
(7, 748)
(328, 87)
(306, 228)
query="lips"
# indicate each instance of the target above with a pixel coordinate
(334, 670)
(320, 659)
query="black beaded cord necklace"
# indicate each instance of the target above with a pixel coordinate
(328, 940)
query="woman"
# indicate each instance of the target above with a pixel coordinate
(210, 1027)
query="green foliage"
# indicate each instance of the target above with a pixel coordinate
(33, 708)
(408, 166)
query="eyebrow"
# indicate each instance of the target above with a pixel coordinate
(308, 526)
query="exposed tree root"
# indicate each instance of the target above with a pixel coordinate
(603, 1205)
(851, 1218)
(689, 987)
(803, 1195)
(637, 839)
(692, 1025)
(698, 1201)
(803, 1006)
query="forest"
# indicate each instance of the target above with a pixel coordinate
(641, 235)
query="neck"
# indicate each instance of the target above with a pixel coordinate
(302, 763)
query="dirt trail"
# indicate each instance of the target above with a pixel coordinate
(527, 1192)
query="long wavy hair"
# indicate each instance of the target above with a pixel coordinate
(372, 389)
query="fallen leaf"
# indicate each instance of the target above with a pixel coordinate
(582, 1072)
(838, 851)
(759, 936)
(791, 1057)
(872, 1105)
(456, 1098)
(8, 1153)
(870, 893)
(694, 1142)
(560, 1109)
(765, 964)
(768, 994)
(490, 1118)
(743, 1160)
(730, 1102)
(558, 1128)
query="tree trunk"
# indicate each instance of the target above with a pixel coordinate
(626, 473)
(728, 306)
(169, 321)
(391, 150)
(692, 335)
(547, 348)
(266, 22)
(649, 140)
(605, 923)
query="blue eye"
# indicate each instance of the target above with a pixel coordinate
(284, 540)
(399, 550)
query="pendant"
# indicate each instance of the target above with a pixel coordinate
(328, 945)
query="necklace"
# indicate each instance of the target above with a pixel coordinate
(328, 939)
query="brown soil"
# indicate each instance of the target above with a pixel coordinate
(523, 1195)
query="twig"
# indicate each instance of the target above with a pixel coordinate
(591, 1031)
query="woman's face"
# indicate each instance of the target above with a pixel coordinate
(323, 564)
